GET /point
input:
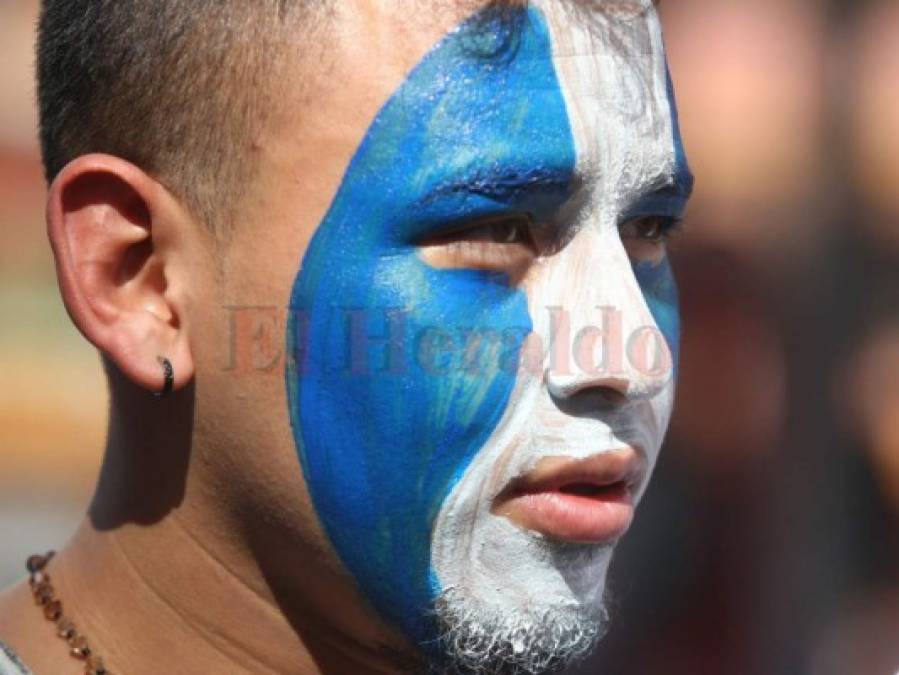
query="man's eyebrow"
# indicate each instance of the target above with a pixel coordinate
(511, 184)
(508, 183)
(667, 195)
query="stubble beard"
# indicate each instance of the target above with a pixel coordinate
(481, 639)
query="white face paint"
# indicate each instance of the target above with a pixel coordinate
(609, 58)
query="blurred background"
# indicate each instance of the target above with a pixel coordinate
(769, 540)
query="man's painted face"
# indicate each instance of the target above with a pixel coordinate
(486, 312)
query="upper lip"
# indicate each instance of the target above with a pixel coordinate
(624, 467)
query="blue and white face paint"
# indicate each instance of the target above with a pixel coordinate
(564, 112)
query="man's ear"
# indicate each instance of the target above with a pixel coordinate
(113, 236)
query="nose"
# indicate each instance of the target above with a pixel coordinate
(612, 392)
(604, 344)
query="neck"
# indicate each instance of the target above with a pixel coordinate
(164, 577)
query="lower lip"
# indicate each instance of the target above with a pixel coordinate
(573, 518)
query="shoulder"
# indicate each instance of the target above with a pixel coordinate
(10, 664)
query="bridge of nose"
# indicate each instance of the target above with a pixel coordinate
(586, 305)
(613, 75)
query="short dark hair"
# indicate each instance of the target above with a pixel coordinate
(178, 87)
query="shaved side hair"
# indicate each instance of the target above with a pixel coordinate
(180, 88)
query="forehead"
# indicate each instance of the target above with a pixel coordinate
(612, 70)
(609, 67)
(607, 55)
(609, 62)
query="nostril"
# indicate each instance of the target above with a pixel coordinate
(611, 398)
(589, 401)
(614, 390)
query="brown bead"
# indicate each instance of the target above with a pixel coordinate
(36, 563)
(53, 610)
(65, 628)
(94, 666)
(43, 593)
(80, 648)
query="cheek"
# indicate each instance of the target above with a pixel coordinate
(390, 405)
(660, 290)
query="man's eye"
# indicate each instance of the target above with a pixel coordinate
(506, 230)
(503, 244)
(651, 229)
(644, 239)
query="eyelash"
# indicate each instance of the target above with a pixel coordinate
(503, 230)
(664, 228)
(517, 229)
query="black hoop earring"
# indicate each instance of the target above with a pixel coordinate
(169, 374)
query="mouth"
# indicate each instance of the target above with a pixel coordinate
(576, 501)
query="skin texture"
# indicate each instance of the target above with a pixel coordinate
(202, 517)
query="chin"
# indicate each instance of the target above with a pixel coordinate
(511, 602)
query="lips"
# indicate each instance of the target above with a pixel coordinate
(579, 501)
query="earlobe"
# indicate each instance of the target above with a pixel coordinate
(102, 218)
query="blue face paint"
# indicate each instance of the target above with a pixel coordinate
(683, 178)
(384, 429)
(657, 280)
(660, 290)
